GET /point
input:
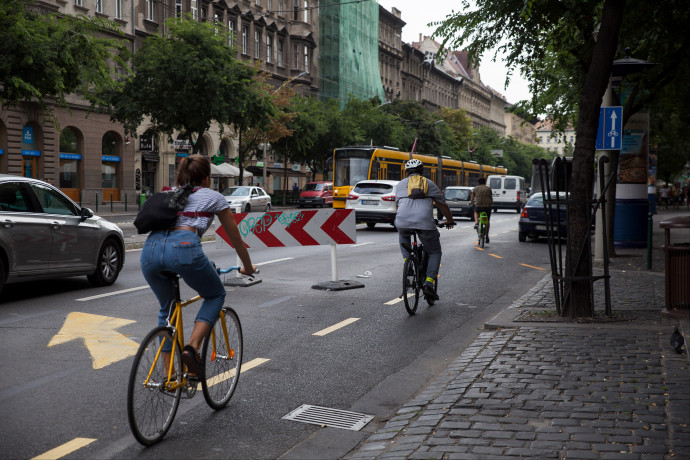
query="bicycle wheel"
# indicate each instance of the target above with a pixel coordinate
(151, 408)
(222, 360)
(482, 235)
(410, 285)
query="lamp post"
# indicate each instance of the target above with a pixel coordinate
(440, 163)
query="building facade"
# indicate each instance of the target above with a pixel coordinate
(561, 144)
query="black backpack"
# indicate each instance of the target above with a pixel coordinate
(161, 210)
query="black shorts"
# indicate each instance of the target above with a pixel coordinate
(479, 210)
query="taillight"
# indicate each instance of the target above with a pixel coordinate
(524, 213)
(352, 197)
(388, 198)
(518, 195)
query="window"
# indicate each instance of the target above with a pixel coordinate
(269, 4)
(257, 44)
(149, 10)
(245, 38)
(231, 29)
(258, 2)
(269, 49)
(118, 9)
(296, 61)
(306, 11)
(79, 2)
(295, 8)
(99, 6)
(178, 8)
(306, 58)
(195, 9)
(280, 52)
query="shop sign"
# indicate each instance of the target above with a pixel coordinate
(70, 156)
(2, 151)
(109, 158)
(295, 167)
(260, 164)
(181, 154)
(28, 135)
(31, 153)
(151, 158)
(277, 165)
(145, 143)
(183, 144)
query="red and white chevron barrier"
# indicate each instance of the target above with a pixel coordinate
(295, 228)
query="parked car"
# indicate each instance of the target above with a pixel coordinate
(247, 198)
(44, 234)
(458, 200)
(532, 222)
(318, 193)
(373, 202)
(508, 192)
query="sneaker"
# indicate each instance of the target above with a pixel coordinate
(487, 238)
(191, 358)
(476, 226)
(429, 291)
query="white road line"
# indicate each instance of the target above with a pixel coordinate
(397, 299)
(65, 449)
(231, 373)
(83, 299)
(335, 327)
(361, 244)
(273, 261)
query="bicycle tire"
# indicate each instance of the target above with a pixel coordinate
(410, 284)
(222, 367)
(482, 235)
(150, 408)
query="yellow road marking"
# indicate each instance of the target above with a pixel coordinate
(478, 249)
(65, 449)
(496, 256)
(532, 266)
(335, 327)
(104, 343)
(231, 373)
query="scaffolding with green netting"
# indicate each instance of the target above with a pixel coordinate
(349, 48)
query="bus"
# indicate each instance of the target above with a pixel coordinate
(353, 164)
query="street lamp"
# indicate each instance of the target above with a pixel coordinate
(440, 163)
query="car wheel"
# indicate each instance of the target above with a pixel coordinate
(371, 224)
(268, 207)
(108, 265)
(519, 208)
(247, 207)
(522, 237)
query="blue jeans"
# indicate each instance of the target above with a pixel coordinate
(180, 251)
(431, 240)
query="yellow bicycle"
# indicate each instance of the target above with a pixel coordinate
(156, 387)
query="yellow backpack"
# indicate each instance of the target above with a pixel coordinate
(417, 186)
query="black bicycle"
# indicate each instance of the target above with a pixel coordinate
(414, 273)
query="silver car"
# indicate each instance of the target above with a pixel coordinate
(44, 234)
(247, 198)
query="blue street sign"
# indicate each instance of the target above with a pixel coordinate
(610, 132)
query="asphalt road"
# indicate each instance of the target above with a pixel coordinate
(55, 332)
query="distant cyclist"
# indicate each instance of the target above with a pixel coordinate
(415, 197)
(481, 195)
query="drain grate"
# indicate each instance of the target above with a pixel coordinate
(334, 418)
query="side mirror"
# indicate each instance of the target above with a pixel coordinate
(85, 213)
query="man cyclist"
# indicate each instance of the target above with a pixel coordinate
(415, 197)
(483, 200)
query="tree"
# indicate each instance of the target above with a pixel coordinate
(49, 56)
(546, 39)
(187, 80)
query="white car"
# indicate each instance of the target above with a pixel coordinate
(247, 198)
(373, 202)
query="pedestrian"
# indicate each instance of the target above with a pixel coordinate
(664, 197)
(295, 191)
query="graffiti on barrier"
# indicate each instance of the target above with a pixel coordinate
(256, 225)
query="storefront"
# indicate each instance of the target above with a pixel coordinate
(31, 152)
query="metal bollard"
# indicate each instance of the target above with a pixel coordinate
(96, 202)
(125, 202)
(111, 201)
(80, 198)
(650, 225)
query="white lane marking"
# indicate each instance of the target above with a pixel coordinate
(398, 299)
(273, 261)
(335, 327)
(231, 373)
(65, 449)
(99, 296)
(361, 244)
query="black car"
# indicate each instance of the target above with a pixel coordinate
(532, 221)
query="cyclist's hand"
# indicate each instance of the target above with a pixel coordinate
(450, 224)
(248, 271)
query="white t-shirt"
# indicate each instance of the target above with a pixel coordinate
(203, 200)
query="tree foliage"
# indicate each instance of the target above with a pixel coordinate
(50, 56)
(187, 80)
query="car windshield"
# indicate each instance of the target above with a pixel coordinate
(457, 194)
(373, 188)
(236, 191)
(538, 199)
(313, 187)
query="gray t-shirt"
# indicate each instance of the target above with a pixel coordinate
(203, 200)
(417, 214)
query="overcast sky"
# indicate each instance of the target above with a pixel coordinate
(418, 13)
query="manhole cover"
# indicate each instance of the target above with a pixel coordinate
(334, 418)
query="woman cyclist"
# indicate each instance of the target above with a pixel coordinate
(179, 250)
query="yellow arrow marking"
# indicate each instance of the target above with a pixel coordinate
(65, 449)
(98, 332)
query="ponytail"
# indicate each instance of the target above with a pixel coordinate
(193, 170)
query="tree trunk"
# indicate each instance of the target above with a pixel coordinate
(578, 302)
(240, 157)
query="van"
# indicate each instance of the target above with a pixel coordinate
(319, 193)
(508, 192)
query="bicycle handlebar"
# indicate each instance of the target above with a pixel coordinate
(222, 271)
(443, 223)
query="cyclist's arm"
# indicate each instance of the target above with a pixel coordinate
(227, 220)
(446, 212)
